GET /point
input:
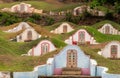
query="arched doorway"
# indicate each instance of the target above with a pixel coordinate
(44, 48)
(114, 50)
(29, 35)
(71, 67)
(81, 37)
(65, 29)
(23, 27)
(77, 11)
(20, 37)
(107, 29)
(71, 58)
(22, 8)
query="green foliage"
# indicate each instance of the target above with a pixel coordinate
(68, 17)
(49, 21)
(76, 19)
(8, 18)
(109, 15)
(117, 7)
(95, 3)
(11, 18)
(36, 16)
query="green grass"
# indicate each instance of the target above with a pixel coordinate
(43, 5)
(102, 37)
(100, 24)
(104, 9)
(67, 7)
(36, 4)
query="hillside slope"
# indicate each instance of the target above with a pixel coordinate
(10, 52)
(45, 5)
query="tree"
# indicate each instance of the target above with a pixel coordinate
(94, 3)
(117, 7)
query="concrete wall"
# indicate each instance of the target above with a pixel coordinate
(36, 51)
(102, 71)
(107, 75)
(93, 66)
(25, 75)
(75, 37)
(112, 29)
(59, 30)
(42, 70)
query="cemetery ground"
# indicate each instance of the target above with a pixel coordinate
(11, 59)
(47, 6)
(11, 52)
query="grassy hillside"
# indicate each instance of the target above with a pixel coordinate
(5, 28)
(100, 24)
(54, 26)
(15, 48)
(48, 6)
(10, 51)
(101, 37)
(92, 30)
(38, 28)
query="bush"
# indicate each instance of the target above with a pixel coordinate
(49, 21)
(109, 15)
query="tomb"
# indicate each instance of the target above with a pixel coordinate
(111, 50)
(69, 62)
(43, 47)
(84, 8)
(21, 26)
(22, 8)
(63, 28)
(108, 29)
(81, 37)
(27, 35)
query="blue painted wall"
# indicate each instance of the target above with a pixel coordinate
(25, 75)
(61, 59)
(42, 70)
(93, 71)
(50, 69)
(100, 70)
(106, 75)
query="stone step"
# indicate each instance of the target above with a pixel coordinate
(68, 76)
